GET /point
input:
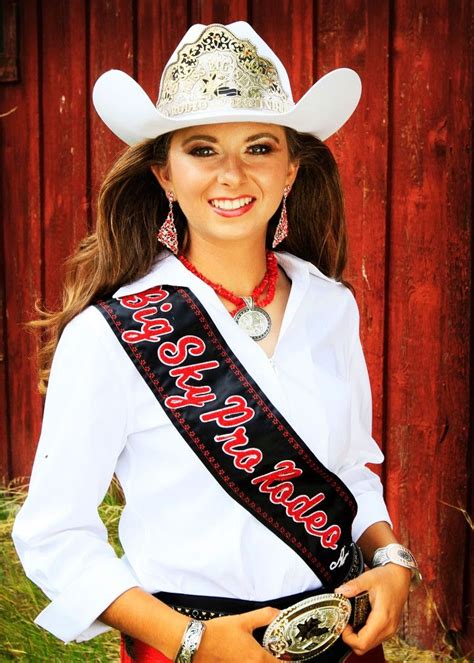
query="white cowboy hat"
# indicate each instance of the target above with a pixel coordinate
(224, 73)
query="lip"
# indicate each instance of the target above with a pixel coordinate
(244, 195)
(232, 212)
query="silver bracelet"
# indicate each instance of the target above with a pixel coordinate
(190, 642)
(398, 554)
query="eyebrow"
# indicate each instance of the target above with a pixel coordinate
(213, 139)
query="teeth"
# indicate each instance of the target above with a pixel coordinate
(231, 204)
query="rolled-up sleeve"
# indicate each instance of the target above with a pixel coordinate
(59, 537)
(364, 484)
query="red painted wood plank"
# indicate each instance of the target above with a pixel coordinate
(5, 440)
(10, 39)
(283, 30)
(219, 11)
(355, 35)
(64, 132)
(467, 637)
(111, 39)
(428, 303)
(20, 179)
(169, 21)
(457, 143)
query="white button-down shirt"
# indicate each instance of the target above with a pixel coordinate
(180, 531)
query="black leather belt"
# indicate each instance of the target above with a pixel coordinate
(210, 607)
(204, 608)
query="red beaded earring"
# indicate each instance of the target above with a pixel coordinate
(167, 234)
(282, 228)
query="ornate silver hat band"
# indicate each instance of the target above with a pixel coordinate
(218, 71)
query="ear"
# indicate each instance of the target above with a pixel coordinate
(162, 175)
(292, 172)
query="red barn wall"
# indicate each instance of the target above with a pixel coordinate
(406, 164)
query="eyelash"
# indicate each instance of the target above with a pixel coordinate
(268, 148)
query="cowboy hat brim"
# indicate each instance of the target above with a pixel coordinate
(128, 111)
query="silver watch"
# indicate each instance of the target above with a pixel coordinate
(400, 555)
(190, 642)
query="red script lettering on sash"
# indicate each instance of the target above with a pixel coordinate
(280, 493)
(141, 299)
(152, 329)
(193, 395)
(173, 354)
(236, 413)
(244, 459)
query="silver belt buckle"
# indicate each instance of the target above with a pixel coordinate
(308, 627)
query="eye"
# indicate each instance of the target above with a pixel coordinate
(201, 151)
(261, 148)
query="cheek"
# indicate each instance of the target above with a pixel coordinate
(272, 182)
(272, 174)
(190, 178)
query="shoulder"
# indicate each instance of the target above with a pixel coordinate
(322, 285)
(334, 288)
(87, 339)
(337, 292)
(87, 323)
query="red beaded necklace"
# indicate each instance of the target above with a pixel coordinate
(269, 280)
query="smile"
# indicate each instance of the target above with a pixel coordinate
(232, 207)
(227, 203)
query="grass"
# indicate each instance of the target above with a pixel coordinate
(21, 601)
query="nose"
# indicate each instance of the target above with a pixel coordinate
(231, 172)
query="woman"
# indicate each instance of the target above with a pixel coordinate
(223, 382)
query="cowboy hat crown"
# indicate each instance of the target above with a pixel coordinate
(224, 73)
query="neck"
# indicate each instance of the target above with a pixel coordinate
(238, 268)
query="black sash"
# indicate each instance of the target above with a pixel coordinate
(229, 423)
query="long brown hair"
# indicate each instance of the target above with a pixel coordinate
(132, 206)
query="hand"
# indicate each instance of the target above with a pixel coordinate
(229, 639)
(388, 588)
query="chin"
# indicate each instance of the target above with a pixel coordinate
(234, 235)
(232, 230)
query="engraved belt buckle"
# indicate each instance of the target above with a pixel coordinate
(308, 627)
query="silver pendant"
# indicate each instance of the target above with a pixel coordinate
(254, 320)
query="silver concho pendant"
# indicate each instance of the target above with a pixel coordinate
(254, 320)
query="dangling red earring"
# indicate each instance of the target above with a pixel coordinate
(282, 228)
(167, 234)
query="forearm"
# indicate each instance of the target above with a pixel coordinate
(142, 616)
(387, 586)
(376, 536)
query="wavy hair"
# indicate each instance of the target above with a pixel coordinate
(132, 206)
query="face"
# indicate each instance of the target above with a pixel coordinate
(228, 178)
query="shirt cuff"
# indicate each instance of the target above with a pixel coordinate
(371, 509)
(72, 615)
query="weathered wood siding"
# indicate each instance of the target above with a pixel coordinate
(406, 162)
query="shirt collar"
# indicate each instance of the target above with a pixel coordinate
(169, 270)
